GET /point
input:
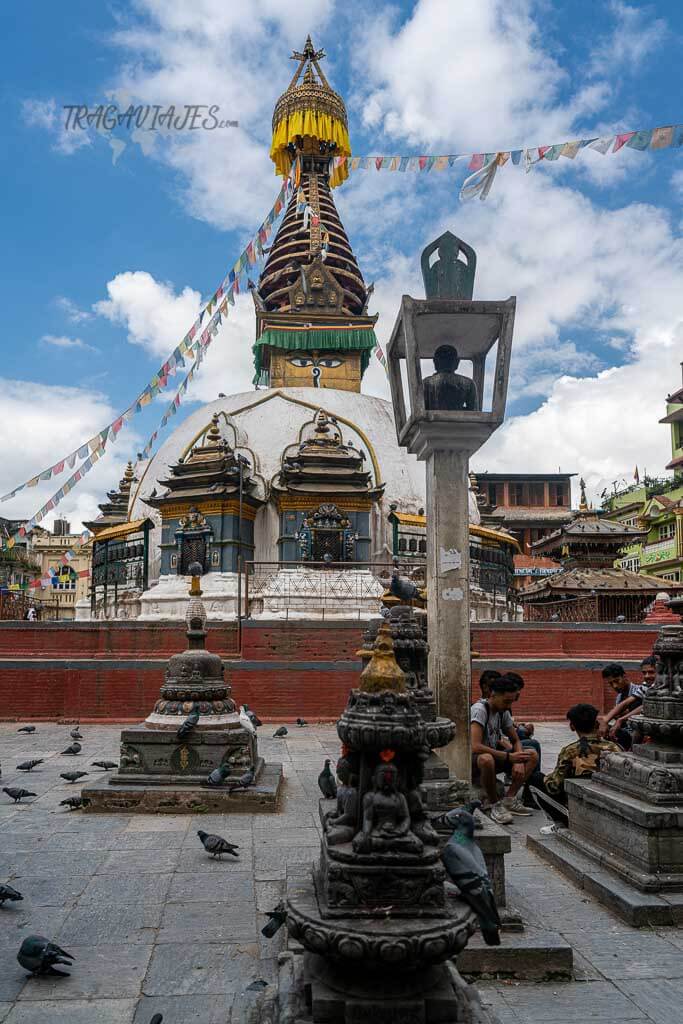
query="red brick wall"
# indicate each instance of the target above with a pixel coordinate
(112, 671)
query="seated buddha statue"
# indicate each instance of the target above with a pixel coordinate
(386, 818)
(340, 824)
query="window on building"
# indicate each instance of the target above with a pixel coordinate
(631, 564)
(666, 531)
(494, 493)
(516, 494)
(557, 493)
(537, 493)
(673, 576)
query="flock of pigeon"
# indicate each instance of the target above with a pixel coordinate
(461, 857)
(17, 793)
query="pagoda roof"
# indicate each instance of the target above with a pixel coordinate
(211, 470)
(115, 510)
(588, 528)
(321, 464)
(613, 581)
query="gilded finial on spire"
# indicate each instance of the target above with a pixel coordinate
(382, 671)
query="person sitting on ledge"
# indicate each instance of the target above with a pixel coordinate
(577, 760)
(629, 698)
(490, 721)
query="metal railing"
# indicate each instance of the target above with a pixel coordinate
(591, 608)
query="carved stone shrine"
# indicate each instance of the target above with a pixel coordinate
(373, 916)
(195, 728)
(625, 835)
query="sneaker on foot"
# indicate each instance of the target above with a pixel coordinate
(549, 830)
(501, 814)
(515, 806)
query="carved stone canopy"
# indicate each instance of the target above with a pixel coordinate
(448, 268)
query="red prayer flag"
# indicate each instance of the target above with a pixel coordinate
(475, 164)
(378, 162)
(542, 150)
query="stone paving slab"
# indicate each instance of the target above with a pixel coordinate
(158, 926)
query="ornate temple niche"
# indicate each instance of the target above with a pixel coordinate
(209, 507)
(324, 493)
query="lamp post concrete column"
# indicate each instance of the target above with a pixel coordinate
(448, 598)
(446, 423)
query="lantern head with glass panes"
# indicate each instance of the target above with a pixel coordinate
(445, 409)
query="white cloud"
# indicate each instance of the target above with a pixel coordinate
(42, 423)
(62, 341)
(71, 310)
(47, 115)
(636, 34)
(155, 317)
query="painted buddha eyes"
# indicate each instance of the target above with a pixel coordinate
(328, 363)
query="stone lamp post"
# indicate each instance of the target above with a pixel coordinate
(442, 420)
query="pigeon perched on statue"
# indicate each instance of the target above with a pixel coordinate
(38, 956)
(74, 749)
(8, 893)
(466, 868)
(218, 775)
(27, 728)
(244, 781)
(72, 776)
(189, 724)
(405, 590)
(246, 722)
(17, 794)
(278, 916)
(105, 764)
(216, 845)
(252, 716)
(27, 766)
(279, 733)
(449, 819)
(326, 782)
(74, 803)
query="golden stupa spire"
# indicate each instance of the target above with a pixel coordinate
(310, 117)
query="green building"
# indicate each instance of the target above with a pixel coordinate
(656, 504)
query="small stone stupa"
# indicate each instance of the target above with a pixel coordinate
(372, 916)
(195, 728)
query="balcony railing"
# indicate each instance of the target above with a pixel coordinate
(659, 551)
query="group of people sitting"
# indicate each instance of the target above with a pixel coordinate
(504, 747)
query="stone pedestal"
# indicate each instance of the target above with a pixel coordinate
(167, 599)
(625, 835)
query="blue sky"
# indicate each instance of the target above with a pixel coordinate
(105, 262)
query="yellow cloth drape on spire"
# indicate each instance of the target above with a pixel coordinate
(315, 125)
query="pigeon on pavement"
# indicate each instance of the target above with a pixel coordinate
(8, 893)
(75, 733)
(26, 766)
(72, 776)
(157, 1018)
(326, 782)
(301, 722)
(216, 845)
(278, 916)
(105, 764)
(189, 724)
(75, 748)
(27, 728)
(243, 782)
(17, 794)
(38, 955)
(282, 731)
(218, 775)
(466, 868)
(74, 803)
(257, 986)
